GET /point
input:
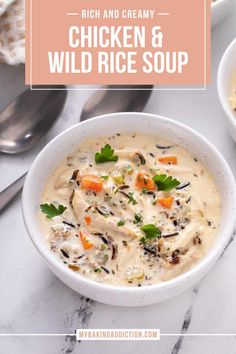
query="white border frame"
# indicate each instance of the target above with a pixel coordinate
(203, 88)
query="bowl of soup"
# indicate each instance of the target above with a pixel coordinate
(129, 209)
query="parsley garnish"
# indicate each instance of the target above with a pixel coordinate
(51, 210)
(97, 270)
(165, 183)
(104, 177)
(106, 155)
(121, 223)
(151, 232)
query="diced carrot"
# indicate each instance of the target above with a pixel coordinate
(143, 181)
(93, 183)
(166, 202)
(88, 219)
(74, 267)
(87, 244)
(171, 160)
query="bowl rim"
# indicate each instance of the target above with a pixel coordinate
(221, 79)
(208, 260)
(218, 2)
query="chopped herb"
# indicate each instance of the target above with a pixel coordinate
(132, 199)
(51, 210)
(106, 155)
(121, 223)
(97, 270)
(121, 188)
(104, 177)
(130, 196)
(138, 218)
(151, 232)
(143, 240)
(107, 198)
(165, 183)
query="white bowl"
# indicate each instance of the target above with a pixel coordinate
(219, 10)
(226, 74)
(67, 141)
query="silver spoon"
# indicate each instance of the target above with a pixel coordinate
(117, 98)
(125, 99)
(23, 123)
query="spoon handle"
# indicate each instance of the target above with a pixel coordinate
(8, 194)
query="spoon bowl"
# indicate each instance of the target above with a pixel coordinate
(115, 99)
(22, 125)
(28, 118)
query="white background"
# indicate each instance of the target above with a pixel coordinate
(32, 300)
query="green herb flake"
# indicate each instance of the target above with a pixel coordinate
(106, 155)
(107, 198)
(151, 232)
(97, 270)
(51, 210)
(121, 223)
(105, 177)
(132, 200)
(165, 183)
(138, 218)
(143, 240)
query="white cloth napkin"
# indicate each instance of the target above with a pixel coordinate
(12, 31)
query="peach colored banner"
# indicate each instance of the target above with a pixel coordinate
(164, 42)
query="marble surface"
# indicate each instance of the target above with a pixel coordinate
(34, 301)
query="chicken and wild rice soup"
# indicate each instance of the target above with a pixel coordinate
(130, 210)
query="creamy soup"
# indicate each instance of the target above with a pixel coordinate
(130, 210)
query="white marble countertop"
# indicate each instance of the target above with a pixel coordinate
(33, 300)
